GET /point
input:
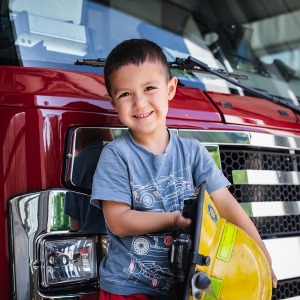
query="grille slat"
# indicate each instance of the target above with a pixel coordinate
(259, 193)
(277, 226)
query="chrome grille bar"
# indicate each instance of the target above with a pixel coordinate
(272, 208)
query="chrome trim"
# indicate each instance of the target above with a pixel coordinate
(271, 208)
(33, 216)
(240, 138)
(285, 253)
(263, 177)
(275, 141)
(64, 297)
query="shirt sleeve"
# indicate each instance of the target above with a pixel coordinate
(72, 208)
(205, 169)
(111, 179)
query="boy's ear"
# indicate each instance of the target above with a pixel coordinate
(172, 84)
(110, 99)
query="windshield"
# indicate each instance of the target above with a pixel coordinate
(257, 38)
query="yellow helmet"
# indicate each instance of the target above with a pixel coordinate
(230, 259)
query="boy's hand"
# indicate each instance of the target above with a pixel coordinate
(274, 279)
(181, 221)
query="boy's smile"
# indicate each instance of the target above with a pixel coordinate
(140, 94)
(144, 115)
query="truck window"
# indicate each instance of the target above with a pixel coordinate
(220, 34)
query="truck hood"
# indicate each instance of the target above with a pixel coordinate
(245, 110)
(195, 105)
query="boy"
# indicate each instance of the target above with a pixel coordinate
(144, 176)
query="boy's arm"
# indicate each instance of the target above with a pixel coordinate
(124, 221)
(229, 209)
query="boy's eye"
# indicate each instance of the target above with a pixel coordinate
(126, 94)
(149, 88)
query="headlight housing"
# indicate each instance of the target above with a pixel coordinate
(67, 260)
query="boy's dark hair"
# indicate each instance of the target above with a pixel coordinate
(133, 51)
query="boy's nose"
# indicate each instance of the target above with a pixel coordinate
(140, 100)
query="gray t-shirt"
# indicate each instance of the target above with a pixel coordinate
(129, 173)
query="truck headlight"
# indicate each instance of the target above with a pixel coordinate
(67, 260)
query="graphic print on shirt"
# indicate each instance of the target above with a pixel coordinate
(149, 261)
(146, 251)
(151, 274)
(165, 193)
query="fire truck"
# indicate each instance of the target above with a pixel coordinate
(238, 66)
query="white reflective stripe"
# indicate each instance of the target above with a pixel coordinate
(263, 177)
(285, 254)
(294, 298)
(271, 208)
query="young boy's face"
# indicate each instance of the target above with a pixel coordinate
(140, 95)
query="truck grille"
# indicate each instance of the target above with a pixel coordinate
(268, 226)
(233, 159)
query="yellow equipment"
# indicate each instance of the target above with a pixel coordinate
(224, 262)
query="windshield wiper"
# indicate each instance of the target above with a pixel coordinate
(182, 63)
(98, 62)
(192, 63)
